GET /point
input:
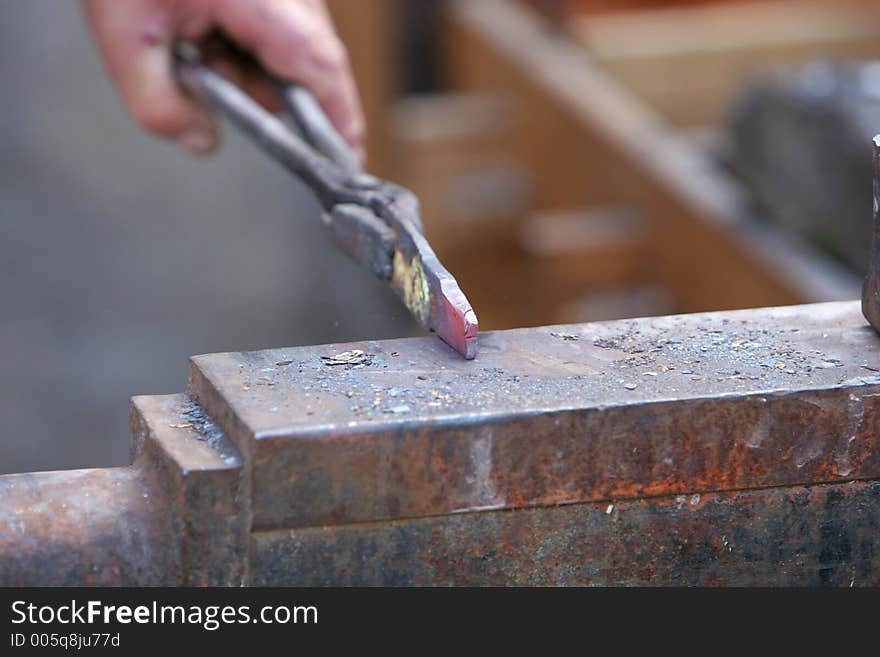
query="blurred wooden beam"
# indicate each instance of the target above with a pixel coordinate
(689, 62)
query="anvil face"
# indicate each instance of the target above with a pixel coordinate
(546, 416)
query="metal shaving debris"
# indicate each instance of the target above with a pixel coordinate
(354, 357)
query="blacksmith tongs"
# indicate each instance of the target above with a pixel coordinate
(376, 222)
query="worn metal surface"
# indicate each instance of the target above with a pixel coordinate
(176, 516)
(801, 536)
(728, 448)
(85, 527)
(553, 415)
(199, 474)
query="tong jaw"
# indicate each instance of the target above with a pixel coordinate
(387, 239)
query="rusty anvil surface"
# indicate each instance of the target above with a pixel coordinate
(725, 448)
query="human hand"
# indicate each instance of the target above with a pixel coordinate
(293, 39)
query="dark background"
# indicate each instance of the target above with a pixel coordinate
(121, 256)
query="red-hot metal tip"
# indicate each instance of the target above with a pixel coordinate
(456, 323)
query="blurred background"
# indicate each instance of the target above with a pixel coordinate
(577, 160)
(121, 256)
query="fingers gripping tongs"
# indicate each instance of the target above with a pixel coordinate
(376, 222)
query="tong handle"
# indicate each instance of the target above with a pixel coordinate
(320, 156)
(315, 126)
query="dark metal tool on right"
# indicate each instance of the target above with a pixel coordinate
(871, 290)
(375, 221)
